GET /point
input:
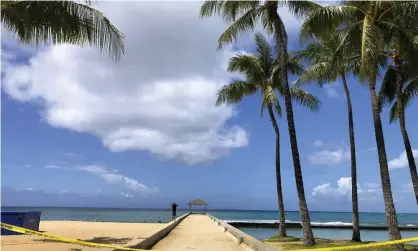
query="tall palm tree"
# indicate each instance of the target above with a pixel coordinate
(326, 66)
(405, 57)
(366, 25)
(258, 69)
(62, 22)
(389, 95)
(243, 16)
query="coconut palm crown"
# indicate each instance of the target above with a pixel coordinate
(62, 22)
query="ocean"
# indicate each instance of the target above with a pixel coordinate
(164, 215)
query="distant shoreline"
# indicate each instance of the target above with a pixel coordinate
(187, 209)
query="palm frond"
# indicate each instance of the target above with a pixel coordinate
(62, 22)
(244, 24)
(235, 92)
(210, 8)
(393, 113)
(305, 99)
(265, 53)
(300, 9)
(248, 65)
(232, 9)
(387, 92)
(371, 46)
(326, 19)
(294, 66)
(410, 92)
(270, 98)
(321, 73)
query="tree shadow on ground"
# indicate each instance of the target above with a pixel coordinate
(100, 240)
(109, 240)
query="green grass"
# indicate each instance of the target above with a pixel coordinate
(278, 238)
(292, 243)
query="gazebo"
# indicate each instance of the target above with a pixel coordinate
(197, 202)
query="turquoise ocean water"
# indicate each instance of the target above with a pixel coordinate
(164, 215)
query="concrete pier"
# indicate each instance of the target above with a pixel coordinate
(199, 233)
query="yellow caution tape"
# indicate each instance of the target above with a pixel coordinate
(361, 246)
(90, 244)
(63, 239)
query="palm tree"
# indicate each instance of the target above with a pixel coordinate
(61, 22)
(388, 95)
(405, 57)
(369, 25)
(326, 66)
(258, 69)
(243, 16)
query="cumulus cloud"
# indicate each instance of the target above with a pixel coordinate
(160, 98)
(370, 192)
(343, 188)
(330, 157)
(318, 143)
(112, 178)
(402, 160)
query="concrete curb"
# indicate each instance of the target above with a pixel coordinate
(149, 242)
(241, 237)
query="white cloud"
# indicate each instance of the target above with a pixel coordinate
(371, 149)
(331, 91)
(160, 98)
(70, 154)
(53, 167)
(126, 195)
(93, 169)
(28, 165)
(112, 178)
(402, 160)
(372, 185)
(329, 157)
(408, 187)
(29, 189)
(343, 188)
(64, 191)
(318, 143)
(368, 192)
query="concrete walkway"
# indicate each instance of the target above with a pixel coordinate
(198, 233)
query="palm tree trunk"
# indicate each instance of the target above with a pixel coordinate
(390, 210)
(282, 225)
(281, 43)
(402, 124)
(354, 197)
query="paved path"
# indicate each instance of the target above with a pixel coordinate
(198, 233)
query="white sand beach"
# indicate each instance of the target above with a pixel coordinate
(112, 233)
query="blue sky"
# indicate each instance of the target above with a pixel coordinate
(79, 130)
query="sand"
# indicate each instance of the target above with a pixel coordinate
(198, 233)
(119, 234)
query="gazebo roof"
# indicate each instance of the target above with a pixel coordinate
(197, 202)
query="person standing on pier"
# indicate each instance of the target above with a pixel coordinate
(173, 210)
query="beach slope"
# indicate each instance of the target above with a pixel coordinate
(112, 233)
